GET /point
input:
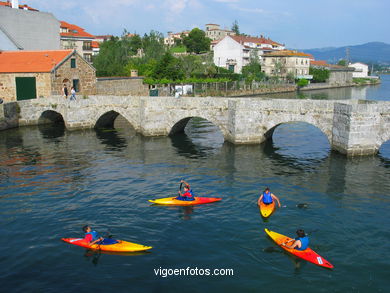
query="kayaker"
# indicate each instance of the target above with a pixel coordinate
(91, 236)
(267, 197)
(187, 195)
(300, 243)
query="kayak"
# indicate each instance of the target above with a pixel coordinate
(108, 244)
(177, 202)
(308, 254)
(267, 209)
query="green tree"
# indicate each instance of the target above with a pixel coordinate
(236, 28)
(196, 41)
(319, 74)
(153, 45)
(342, 62)
(168, 67)
(252, 71)
(111, 59)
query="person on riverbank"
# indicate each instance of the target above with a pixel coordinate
(65, 91)
(91, 236)
(267, 197)
(187, 194)
(299, 243)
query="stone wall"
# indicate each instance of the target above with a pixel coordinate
(340, 77)
(9, 115)
(84, 72)
(121, 86)
(8, 85)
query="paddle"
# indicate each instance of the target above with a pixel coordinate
(299, 205)
(271, 249)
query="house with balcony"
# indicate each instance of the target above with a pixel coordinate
(76, 38)
(287, 62)
(215, 32)
(234, 52)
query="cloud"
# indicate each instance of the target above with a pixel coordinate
(227, 1)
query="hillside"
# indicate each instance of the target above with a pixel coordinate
(373, 52)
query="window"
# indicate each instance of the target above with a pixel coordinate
(76, 85)
(73, 63)
(231, 68)
(88, 57)
(87, 45)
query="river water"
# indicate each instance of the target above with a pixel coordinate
(52, 182)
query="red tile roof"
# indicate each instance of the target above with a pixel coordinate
(255, 40)
(31, 61)
(95, 44)
(20, 6)
(287, 53)
(318, 63)
(74, 31)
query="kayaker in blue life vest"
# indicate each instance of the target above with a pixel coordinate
(91, 236)
(300, 243)
(187, 194)
(267, 197)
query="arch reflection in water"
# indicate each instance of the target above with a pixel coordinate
(297, 144)
(195, 137)
(112, 129)
(51, 124)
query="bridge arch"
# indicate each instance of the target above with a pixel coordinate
(106, 118)
(269, 128)
(51, 117)
(178, 125)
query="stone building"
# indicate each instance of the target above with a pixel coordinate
(25, 28)
(338, 75)
(215, 33)
(39, 74)
(171, 39)
(285, 62)
(76, 38)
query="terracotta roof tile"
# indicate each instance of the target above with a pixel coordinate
(289, 53)
(2, 3)
(255, 40)
(74, 31)
(31, 61)
(95, 44)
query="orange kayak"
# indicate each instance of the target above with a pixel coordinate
(111, 246)
(267, 209)
(177, 202)
(308, 254)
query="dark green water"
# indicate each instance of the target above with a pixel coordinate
(52, 182)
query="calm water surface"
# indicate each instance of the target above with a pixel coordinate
(52, 182)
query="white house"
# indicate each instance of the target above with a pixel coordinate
(234, 52)
(361, 69)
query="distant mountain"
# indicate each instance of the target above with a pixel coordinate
(373, 52)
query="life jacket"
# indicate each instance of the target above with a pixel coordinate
(267, 198)
(94, 234)
(304, 243)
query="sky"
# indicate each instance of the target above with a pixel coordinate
(296, 23)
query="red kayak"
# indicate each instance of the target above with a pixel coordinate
(177, 202)
(307, 254)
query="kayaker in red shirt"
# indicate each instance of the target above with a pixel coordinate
(187, 195)
(91, 237)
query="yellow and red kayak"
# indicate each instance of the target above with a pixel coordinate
(308, 254)
(109, 244)
(267, 209)
(177, 202)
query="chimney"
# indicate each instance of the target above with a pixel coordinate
(15, 4)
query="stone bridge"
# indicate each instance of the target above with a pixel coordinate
(352, 127)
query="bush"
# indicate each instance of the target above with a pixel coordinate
(319, 74)
(302, 82)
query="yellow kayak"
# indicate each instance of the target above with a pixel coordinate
(266, 210)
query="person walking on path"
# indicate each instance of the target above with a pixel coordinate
(72, 94)
(65, 91)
